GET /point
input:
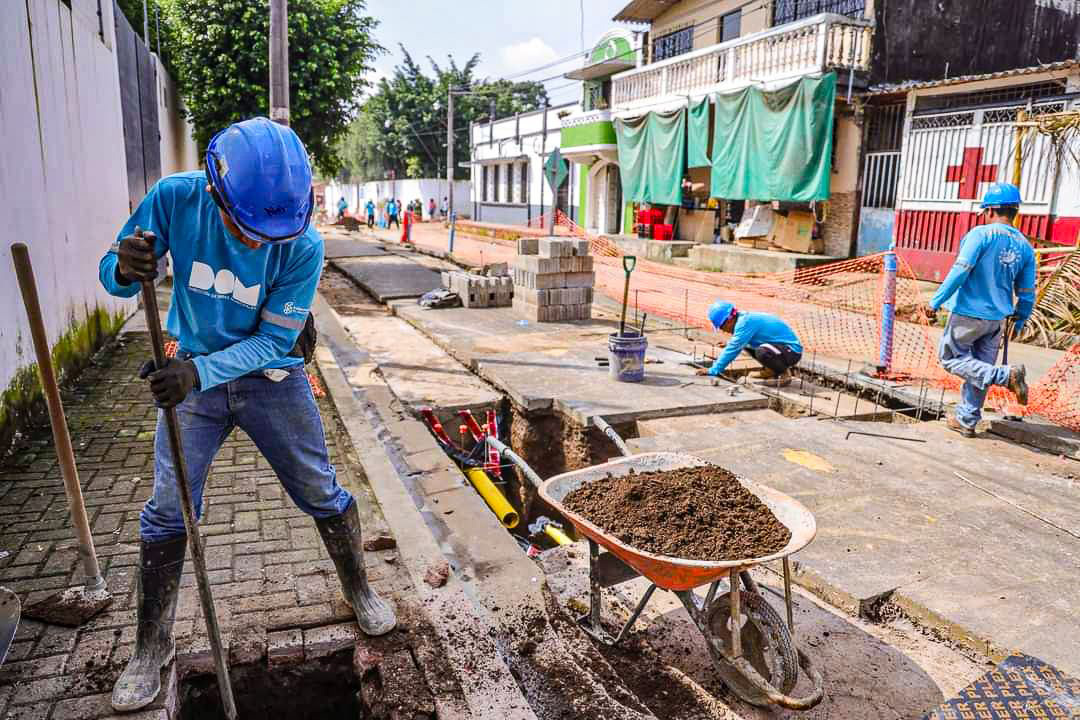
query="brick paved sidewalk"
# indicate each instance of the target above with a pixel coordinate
(277, 595)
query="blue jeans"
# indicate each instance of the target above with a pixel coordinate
(969, 350)
(284, 423)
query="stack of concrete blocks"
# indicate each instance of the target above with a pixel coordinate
(480, 291)
(553, 279)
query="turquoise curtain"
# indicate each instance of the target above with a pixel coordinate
(775, 145)
(652, 157)
(698, 135)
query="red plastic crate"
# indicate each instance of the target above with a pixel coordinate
(662, 232)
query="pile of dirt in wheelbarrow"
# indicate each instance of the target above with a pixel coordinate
(699, 513)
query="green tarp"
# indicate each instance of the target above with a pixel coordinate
(774, 145)
(652, 157)
(697, 148)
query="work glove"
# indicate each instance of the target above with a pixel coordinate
(137, 261)
(172, 383)
(305, 343)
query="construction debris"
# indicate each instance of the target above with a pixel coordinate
(479, 291)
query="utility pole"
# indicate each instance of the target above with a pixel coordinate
(543, 155)
(279, 61)
(145, 26)
(450, 150)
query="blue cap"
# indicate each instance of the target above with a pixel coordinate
(1000, 195)
(720, 312)
(261, 177)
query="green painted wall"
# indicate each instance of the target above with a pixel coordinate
(610, 49)
(628, 218)
(597, 133)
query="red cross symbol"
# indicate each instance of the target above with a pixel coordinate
(970, 173)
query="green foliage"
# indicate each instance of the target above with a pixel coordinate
(220, 50)
(402, 126)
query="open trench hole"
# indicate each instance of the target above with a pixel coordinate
(319, 689)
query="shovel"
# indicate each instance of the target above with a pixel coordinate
(76, 605)
(9, 620)
(1009, 322)
(191, 524)
(628, 264)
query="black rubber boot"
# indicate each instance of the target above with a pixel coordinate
(341, 535)
(160, 565)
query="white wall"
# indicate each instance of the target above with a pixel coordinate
(357, 194)
(62, 178)
(178, 150)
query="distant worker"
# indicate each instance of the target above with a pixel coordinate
(370, 207)
(995, 260)
(246, 264)
(342, 206)
(392, 208)
(766, 338)
(444, 207)
(431, 209)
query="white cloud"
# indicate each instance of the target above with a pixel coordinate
(525, 55)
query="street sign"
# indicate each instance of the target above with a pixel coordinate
(555, 169)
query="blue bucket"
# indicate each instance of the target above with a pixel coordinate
(626, 356)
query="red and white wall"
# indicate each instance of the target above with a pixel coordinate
(948, 160)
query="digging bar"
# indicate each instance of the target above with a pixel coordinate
(198, 559)
(75, 605)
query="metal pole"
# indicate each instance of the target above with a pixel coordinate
(736, 619)
(279, 61)
(450, 156)
(787, 594)
(157, 28)
(543, 153)
(888, 313)
(191, 523)
(453, 228)
(65, 455)
(145, 26)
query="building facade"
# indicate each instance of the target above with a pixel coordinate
(508, 154)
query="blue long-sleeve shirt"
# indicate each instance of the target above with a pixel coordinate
(752, 330)
(995, 261)
(237, 309)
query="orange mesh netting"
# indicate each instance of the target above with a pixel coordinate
(835, 309)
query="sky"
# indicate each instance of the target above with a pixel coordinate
(511, 36)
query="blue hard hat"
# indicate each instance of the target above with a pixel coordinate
(1001, 194)
(720, 312)
(261, 177)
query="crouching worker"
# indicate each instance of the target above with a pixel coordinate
(766, 338)
(246, 263)
(995, 260)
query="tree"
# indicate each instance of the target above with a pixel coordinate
(402, 126)
(220, 49)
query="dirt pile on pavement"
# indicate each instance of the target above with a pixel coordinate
(701, 513)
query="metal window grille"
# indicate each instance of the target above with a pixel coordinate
(510, 183)
(785, 11)
(672, 44)
(880, 179)
(525, 182)
(495, 191)
(934, 122)
(1015, 94)
(484, 183)
(884, 127)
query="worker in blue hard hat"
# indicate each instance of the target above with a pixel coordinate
(766, 338)
(246, 264)
(995, 264)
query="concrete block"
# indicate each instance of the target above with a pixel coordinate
(528, 245)
(328, 639)
(580, 279)
(533, 296)
(538, 265)
(524, 278)
(555, 248)
(584, 263)
(581, 246)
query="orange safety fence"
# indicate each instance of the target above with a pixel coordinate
(835, 309)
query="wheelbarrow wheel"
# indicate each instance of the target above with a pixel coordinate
(766, 645)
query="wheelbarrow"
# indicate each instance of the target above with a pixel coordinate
(752, 647)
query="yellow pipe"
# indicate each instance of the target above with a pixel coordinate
(557, 535)
(495, 500)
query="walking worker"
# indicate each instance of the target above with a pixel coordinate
(392, 208)
(443, 207)
(431, 210)
(342, 206)
(370, 207)
(766, 338)
(246, 263)
(995, 261)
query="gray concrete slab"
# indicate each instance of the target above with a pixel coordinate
(389, 277)
(990, 560)
(571, 382)
(340, 244)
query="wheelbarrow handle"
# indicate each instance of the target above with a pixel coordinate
(629, 262)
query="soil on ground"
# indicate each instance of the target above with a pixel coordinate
(701, 513)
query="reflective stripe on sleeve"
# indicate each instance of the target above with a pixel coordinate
(281, 320)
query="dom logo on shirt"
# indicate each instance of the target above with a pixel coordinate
(222, 283)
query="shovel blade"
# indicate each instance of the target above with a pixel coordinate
(10, 610)
(70, 608)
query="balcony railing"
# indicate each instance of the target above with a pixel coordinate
(813, 45)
